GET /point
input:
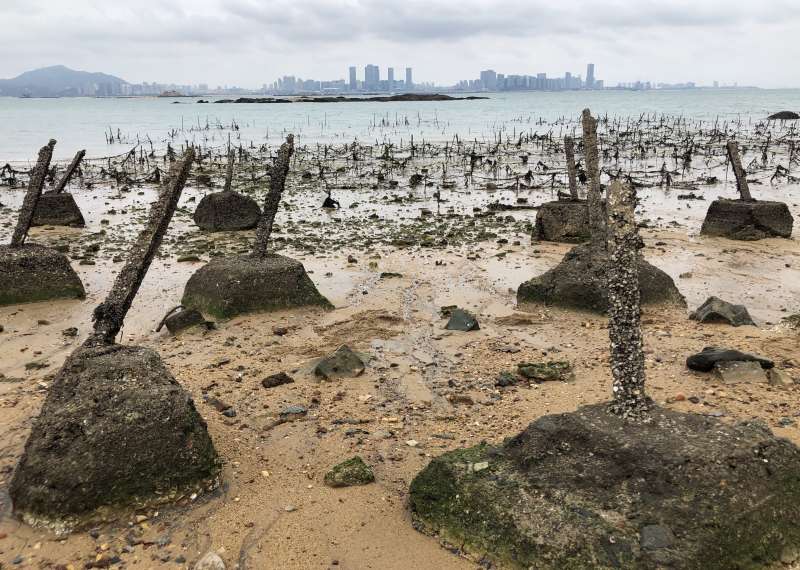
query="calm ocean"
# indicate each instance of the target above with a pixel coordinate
(27, 124)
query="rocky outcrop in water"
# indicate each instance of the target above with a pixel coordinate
(784, 116)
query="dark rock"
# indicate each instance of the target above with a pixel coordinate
(70, 332)
(228, 287)
(505, 379)
(784, 116)
(57, 210)
(291, 413)
(546, 371)
(115, 430)
(715, 310)
(747, 220)
(184, 319)
(350, 473)
(705, 360)
(655, 536)
(579, 283)
(563, 221)
(226, 211)
(343, 363)
(330, 204)
(584, 489)
(33, 272)
(276, 380)
(461, 320)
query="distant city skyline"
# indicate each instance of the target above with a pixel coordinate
(248, 43)
(59, 80)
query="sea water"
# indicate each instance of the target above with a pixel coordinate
(87, 123)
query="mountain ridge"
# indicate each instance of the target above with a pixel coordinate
(61, 81)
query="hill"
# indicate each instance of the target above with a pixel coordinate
(61, 81)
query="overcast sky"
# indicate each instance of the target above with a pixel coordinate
(251, 42)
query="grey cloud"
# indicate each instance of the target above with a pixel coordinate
(225, 41)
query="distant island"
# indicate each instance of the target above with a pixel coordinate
(60, 81)
(342, 99)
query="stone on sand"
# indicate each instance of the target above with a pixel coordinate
(706, 359)
(565, 221)
(342, 363)
(116, 430)
(578, 282)
(57, 210)
(461, 320)
(715, 310)
(226, 211)
(747, 220)
(227, 287)
(352, 472)
(584, 489)
(32, 272)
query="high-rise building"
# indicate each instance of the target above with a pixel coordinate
(390, 78)
(489, 79)
(409, 80)
(353, 80)
(372, 77)
(590, 76)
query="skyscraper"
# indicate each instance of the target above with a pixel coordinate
(409, 81)
(489, 79)
(353, 80)
(590, 76)
(390, 78)
(372, 77)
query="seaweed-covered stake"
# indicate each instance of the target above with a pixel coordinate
(678, 482)
(738, 171)
(597, 227)
(624, 328)
(31, 272)
(569, 150)
(276, 185)
(58, 208)
(110, 314)
(580, 280)
(563, 220)
(116, 430)
(229, 172)
(70, 171)
(262, 281)
(32, 195)
(746, 219)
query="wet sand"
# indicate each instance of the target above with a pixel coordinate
(423, 384)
